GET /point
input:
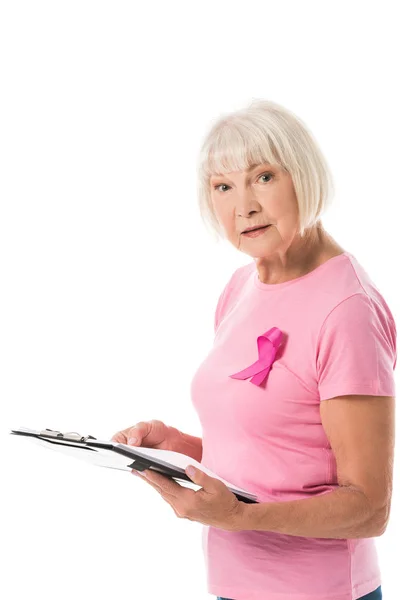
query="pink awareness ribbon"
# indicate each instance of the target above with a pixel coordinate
(268, 344)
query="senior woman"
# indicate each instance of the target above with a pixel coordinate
(296, 396)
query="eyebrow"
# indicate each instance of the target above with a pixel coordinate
(253, 166)
(250, 168)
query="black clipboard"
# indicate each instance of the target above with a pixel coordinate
(107, 453)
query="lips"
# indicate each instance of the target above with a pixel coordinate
(257, 229)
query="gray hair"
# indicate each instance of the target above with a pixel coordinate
(264, 132)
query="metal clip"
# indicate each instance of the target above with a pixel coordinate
(72, 436)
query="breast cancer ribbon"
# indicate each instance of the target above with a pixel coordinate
(268, 344)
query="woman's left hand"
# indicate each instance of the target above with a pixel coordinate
(214, 504)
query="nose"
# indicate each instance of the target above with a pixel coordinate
(246, 203)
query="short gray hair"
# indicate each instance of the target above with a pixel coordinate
(263, 132)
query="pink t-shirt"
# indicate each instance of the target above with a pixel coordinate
(338, 337)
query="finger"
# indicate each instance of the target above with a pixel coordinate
(160, 482)
(169, 498)
(135, 434)
(166, 484)
(157, 487)
(119, 438)
(145, 476)
(126, 436)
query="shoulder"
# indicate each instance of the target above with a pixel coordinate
(360, 313)
(238, 278)
(359, 327)
(347, 290)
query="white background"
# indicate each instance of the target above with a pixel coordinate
(109, 279)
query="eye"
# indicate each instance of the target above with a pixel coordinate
(219, 185)
(266, 174)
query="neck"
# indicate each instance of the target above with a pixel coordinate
(303, 255)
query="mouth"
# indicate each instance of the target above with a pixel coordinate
(249, 231)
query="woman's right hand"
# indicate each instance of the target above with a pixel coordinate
(149, 434)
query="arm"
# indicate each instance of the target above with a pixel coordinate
(361, 431)
(188, 444)
(341, 513)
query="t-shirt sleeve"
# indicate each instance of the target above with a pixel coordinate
(356, 350)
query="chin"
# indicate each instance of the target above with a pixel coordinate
(255, 254)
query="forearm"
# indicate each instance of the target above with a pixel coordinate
(342, 513)
(188, 444)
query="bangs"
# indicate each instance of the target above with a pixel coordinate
(238, 146)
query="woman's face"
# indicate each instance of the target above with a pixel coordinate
(262, 195)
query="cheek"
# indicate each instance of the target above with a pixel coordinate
(226, 217)
(276, 205)
(283, 211)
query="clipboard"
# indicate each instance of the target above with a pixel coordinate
(114, 455)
